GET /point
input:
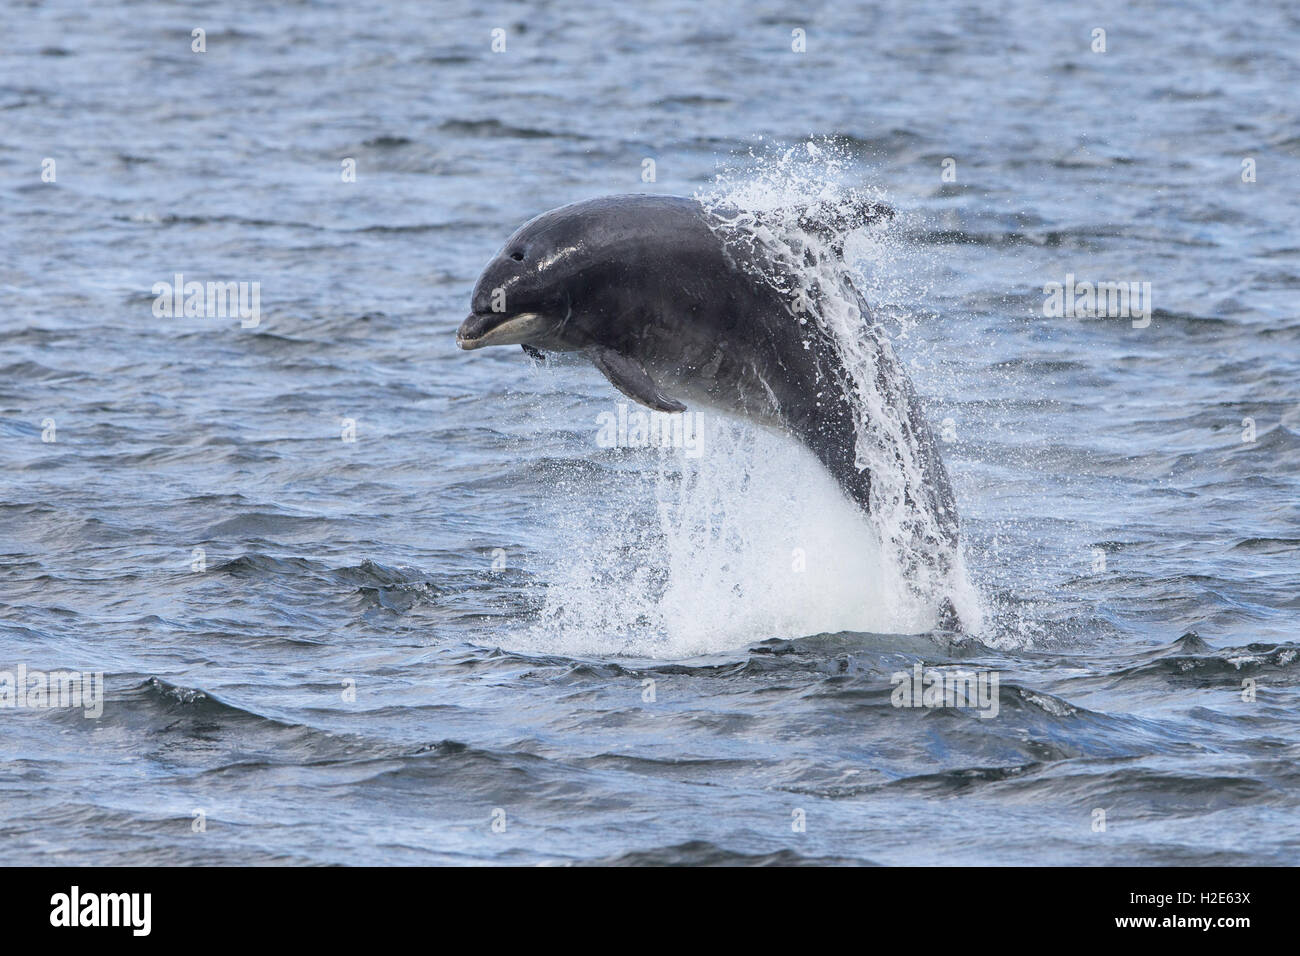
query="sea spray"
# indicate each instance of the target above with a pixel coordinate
(665, 556)
(764, 209)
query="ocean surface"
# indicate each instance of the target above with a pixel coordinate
(360, 597)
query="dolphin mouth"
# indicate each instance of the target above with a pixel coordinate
(482, 329)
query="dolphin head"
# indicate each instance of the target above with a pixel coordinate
(516, 301)
(571, 278)
(526, 294)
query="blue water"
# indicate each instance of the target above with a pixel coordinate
(472, 614)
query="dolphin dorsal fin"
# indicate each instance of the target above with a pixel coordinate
(630, 377)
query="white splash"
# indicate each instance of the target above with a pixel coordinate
(762, 208)
(686, 557)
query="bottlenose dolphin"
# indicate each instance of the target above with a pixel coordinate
(671, 313)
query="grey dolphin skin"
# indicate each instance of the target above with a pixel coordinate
(672, 315)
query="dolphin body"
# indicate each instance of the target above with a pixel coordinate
(647, 288)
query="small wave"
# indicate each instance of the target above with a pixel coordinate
(704, 853)
(388, 142)
(257, 523)
(496, 128)
(1225, 666)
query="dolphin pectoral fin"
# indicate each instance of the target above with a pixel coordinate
(627, 375)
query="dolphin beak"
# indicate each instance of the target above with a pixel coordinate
(495, 328)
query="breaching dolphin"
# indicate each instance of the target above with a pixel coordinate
(647, 288)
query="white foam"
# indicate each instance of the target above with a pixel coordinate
(762, 209)
(753, 540)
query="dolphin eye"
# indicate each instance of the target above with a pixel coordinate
(517, 256)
